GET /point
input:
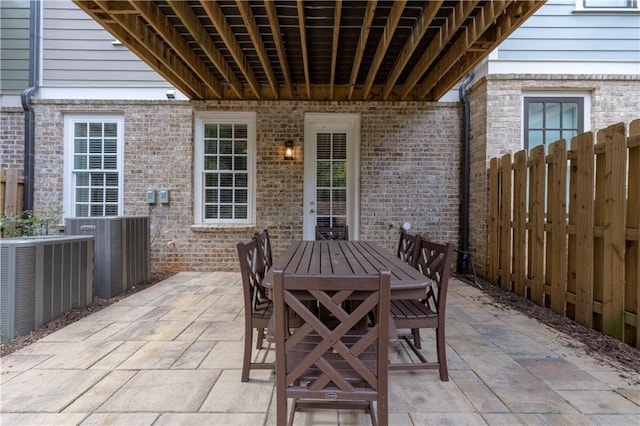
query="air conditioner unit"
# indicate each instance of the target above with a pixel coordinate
(122, 255)
(40, 278)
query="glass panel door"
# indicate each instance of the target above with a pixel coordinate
(331, 179)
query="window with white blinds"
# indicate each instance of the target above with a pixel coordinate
(331, 179)
(225, 168)
(94, 182)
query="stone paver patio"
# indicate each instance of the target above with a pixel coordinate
(171, 355)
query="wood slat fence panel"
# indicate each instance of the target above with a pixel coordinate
(11, 191)
(564, 228)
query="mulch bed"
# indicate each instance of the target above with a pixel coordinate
(606, 348)
(74, 315)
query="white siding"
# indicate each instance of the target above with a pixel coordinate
(558, 32)
(14, 46)
(79, 53)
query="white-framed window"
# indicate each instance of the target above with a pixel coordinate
(93, 164)
(225, 168)
(607, 5)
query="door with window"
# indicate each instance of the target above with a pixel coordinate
(331, 172)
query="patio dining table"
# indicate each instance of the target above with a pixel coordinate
(319, 260)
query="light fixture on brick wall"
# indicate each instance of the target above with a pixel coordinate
(288, 149)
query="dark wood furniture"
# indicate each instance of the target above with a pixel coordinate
(264, 245)
(258, 308)
(342, 367)
(434, 261)
(332, 232)
(314, 261)
(408, 247)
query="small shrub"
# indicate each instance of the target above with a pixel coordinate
(28, 224)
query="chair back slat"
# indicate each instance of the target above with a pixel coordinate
(409, 247)
(434, 261)
(252, 270)
(332, 233)
(264, 245)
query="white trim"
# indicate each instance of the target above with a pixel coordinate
(109, 93)
(248, 118)
(334, 122)
(563, 67)
(579, 8)
(68, 198)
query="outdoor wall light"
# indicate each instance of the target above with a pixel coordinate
(171, 94)
(288, 150)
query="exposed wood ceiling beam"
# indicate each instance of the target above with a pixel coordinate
(515, 14)
(149, 48)
(159, 22)
(385, 40)
(199, 33)
(303, 46)
(215, 14)
(362, 43)
(480, 23)
(254, 32)
(334, 50)
(417, 32)
(272, 15)
(445, 33)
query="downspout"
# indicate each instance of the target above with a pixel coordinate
(26, 98)
(463, 251)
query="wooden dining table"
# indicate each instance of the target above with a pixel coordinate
(319, 260)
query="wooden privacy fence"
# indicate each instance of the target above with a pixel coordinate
(582, 262)
(11, 192)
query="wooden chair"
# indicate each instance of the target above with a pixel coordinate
(408, 247)
(332, 232)
(343, 367)
(264, 245)
(258, 309)
(434, 260)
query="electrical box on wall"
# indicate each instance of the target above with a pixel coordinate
(164, 196)
(151, 196)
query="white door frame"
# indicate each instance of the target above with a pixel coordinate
(349, 123)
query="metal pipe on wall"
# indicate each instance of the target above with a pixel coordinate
(463, 251)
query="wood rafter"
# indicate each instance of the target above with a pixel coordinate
(133, 34)
(480, 23)
(159, 22)
(254, 32)
(362, 43)
(214, 12)
(385, 40)
(514, 15)
(445, 33)
(418, 31)
(199, 33)
(272, 15)
(303, 46)
(334, 49)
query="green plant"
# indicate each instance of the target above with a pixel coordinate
(28, 224)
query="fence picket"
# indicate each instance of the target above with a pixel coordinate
(536, 224)
(581, 214)
(557, 234)
(505, 222)
(520, 221)
(632, 259)
(11, 192)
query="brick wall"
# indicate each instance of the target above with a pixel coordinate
(497, 128)
(11, 138)
(409, 172)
